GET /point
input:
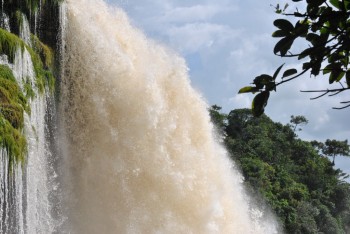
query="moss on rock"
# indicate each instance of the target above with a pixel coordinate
(9, 43)
(13, 141)
(45, 52)
(12, 106)
(13, 99)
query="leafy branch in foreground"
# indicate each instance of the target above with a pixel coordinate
(325, 27)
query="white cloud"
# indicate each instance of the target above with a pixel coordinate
(185, 26)
(195, 13)
(241, 101)
(193, 37)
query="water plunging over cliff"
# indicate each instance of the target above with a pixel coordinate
(138, 146)
(27, 187)
(136, 151)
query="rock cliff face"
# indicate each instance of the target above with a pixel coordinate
(28, 45)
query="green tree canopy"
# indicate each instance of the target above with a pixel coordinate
(323, 26)
(302, 186)
(333, 148)
(298, 120)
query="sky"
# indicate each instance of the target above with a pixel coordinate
(226, 44)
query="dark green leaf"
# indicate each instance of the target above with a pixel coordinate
(326, 29)
(305, 53)
(313, 38)
(315, 3)
(336, 67)
(284, 45)
(306, 66)
(312, 10)
(336, 75)
(315, 68)
(262, 80)
(284, 25)
(248, 89)
(324, 37)
(289, 72)
(280, 33)
(327, 69)
(335, 3)
(347, 5)
(301, 29)
(333, 58)
(271, 86)
(340, 76)
(345, 61)
(259, 103)
(277, 71)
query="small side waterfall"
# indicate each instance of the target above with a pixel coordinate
(26, 189)
(4, 19)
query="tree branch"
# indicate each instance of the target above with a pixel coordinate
(292, 78)
(325, 90)
(340, 108)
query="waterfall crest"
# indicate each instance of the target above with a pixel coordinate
(139, 148)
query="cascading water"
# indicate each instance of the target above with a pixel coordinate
(138, 146)
(137, 151)
(26, 206)
(4, 19)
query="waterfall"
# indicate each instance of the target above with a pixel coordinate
(24, 33)
(130, 148)
(4, 19)
(26, 189)
(138, 146)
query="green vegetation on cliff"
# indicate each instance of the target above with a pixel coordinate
(305, 191)
(14, 98)
(41, 56)
(12, 105)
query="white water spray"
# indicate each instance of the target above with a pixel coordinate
(140, 153)
(24, 32)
